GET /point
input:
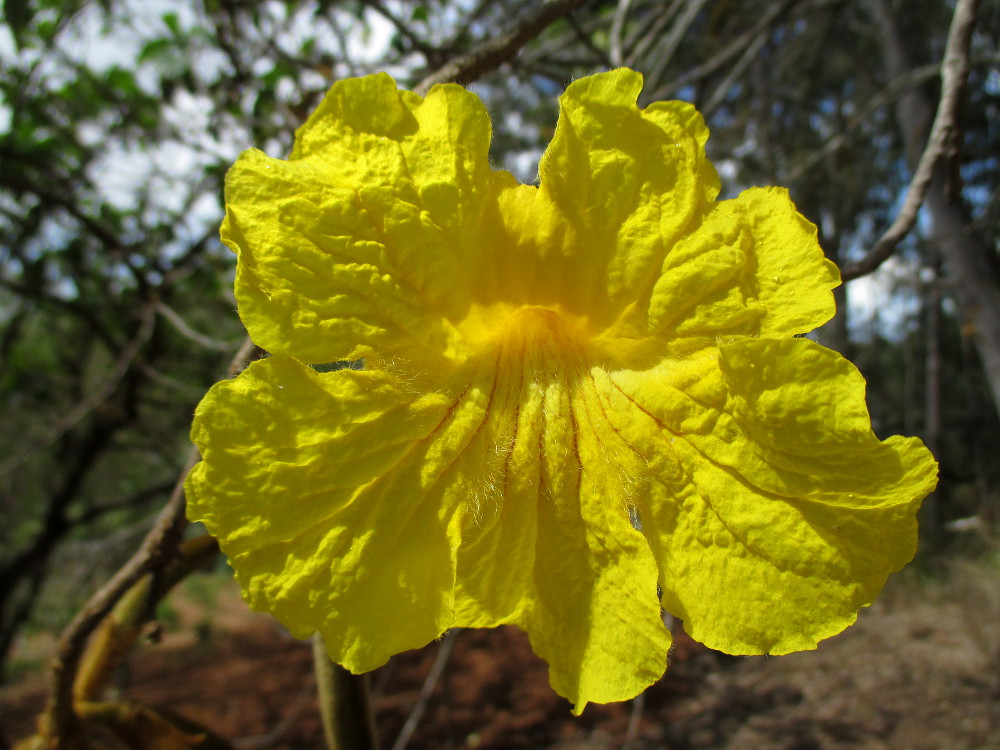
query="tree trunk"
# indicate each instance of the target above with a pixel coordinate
(930, 515)
(966, 256)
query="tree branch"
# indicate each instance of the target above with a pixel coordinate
(734, 49)
(180, 325)
(430, 53)
(61, 721)
(885, 97)
(954, 71)
(646, 34)
(672, 40)
(493, 53)
(617, 25)
(426, 690)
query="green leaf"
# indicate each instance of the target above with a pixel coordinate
(154, 49)
(18, 14)
(173, 23)
(46, 29)
(123, 81)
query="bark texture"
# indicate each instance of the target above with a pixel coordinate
(968, 258)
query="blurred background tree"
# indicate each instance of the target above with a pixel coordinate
(118, 119)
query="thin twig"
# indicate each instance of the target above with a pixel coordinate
(566, 41)
(494, 52)
(167, 381)
(341, 37)
(181, 326)
(279, 731)
(403, 28)
(916, 77)
(634, 720)
(672, 40)
(954, 71)
(646, 34)
(584, 38)
(430, 682)
(160, 545)
(120, 630)
(617, 25)
(93, 512)
(723, 57)
(732, 75)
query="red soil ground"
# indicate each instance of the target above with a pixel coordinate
(920, 674)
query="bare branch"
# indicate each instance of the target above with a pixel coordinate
(181, 326)
(646, 35)
(634, 719)
(493, 53)
(617, 24)
(737, 47)
(673, 39)
(722, 89)
(954, 71)
(916, 77)
(131, 500)
(73, 307)
(429, 52)
(280, 731)
(559, 48)
(160, 545)
(430, 682)
(47, 190)
(341, 37)
(584, 38)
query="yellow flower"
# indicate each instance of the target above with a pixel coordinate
(575, 395)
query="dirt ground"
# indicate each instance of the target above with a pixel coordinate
(920, 671)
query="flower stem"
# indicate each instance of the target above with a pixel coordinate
(344, 703)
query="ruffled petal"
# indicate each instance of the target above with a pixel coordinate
(592, 611)
(618, 186)
(753, 266)
(776, 513)
(364, 241)
(334, 497)
(550, 546)
(381, 518)
(793, 278)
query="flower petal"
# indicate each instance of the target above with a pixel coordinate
(618, 186)
(367, 500)
(753, 266)
(546, 538)
(777, 513)
(793, 277)
(592, 612)
(552, 548)
(360, 243)
(333, 496)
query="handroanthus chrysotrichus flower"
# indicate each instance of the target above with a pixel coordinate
(575, 395)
